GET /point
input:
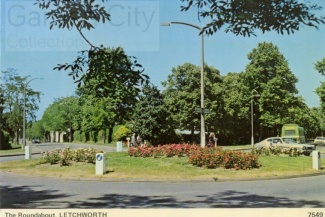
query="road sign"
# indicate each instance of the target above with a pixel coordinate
(202, 110)
(100, 164)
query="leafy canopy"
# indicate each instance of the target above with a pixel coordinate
(110, 67)
(243, 17)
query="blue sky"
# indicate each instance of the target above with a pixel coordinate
(28, 45)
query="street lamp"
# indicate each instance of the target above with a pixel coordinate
(202, 75)
(24, 113)
(256, 95)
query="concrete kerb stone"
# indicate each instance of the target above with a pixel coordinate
(129, 180)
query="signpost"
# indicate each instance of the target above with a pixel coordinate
(316, 160)
(119, 146)
(100, 164)
(28, 152)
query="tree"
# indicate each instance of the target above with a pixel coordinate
(36, 131)
(151, 118)
(268, 73)
(244, 17)
(62, 116)
(111, 68)
(320, 66)
(97, 115)
(13, 102)
(102, 72)
(182, 96)
(235, 128)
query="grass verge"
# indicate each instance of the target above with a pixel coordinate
(120, 166)
(15, 149)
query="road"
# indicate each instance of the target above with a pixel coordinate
(19, 191)
(43, 147)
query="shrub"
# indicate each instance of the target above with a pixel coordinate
(292, 152)
(121, 133)
(210, 158)
(66, 155)
(52, 156)
(4, 140)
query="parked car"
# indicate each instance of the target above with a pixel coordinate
(35, 141)
(282, 142)
(319, 140)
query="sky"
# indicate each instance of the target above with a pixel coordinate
(29, 46)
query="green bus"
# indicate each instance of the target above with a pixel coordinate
(294, 131)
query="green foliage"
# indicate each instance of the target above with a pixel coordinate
(245, 17)
(36, 131)
(60, 114)
(320, 66)
(4, 140)
(182, 96)
(151, 117)
(13, 88)
(235, 114)
(268, 73)
(81, 14)
(121, 133)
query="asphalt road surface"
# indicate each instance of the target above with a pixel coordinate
(21, 191)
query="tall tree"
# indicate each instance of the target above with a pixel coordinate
(62, 116)
(268, 73)
(151, 117)
(182, 96)
(101, 71)
(320, 67)
(13, 97)
(235, 127)
(244, 17)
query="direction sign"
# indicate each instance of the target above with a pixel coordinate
(202, 110)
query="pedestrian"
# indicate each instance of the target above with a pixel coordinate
(133, 143)
(139, 139)
(211, 140)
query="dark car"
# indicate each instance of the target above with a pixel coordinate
(35, 141)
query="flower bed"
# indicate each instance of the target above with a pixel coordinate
(202, 157)
(66, 155)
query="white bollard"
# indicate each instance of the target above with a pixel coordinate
(316, 160)
(28, 152)
(119, 147)
(100, 164)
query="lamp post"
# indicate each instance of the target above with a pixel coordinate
(256, 95)
(202, 75)
(24, 113)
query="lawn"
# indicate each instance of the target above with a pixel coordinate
(15, 149)
(120, 166)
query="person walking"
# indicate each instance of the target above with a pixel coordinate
(139, 140)
(133, 142)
